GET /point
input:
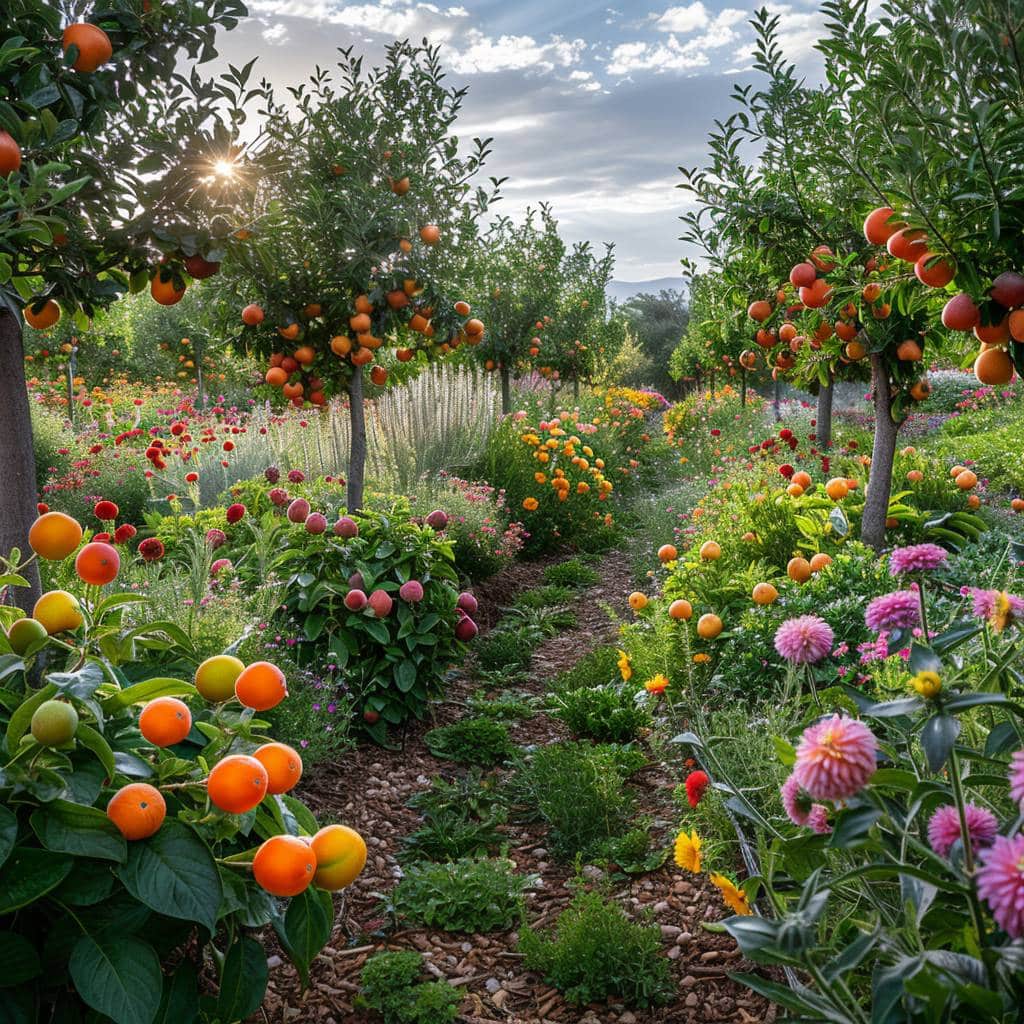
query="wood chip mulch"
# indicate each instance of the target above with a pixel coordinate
(369, 789)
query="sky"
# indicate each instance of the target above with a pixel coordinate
(592, 107)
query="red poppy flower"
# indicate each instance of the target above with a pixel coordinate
(787, 470)
(235, 512)
(696, 783)
(105, 510)
(151, 549)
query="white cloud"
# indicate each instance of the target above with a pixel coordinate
(683, 19)
(502, 125)
(482, 54)
(397, 18)
(276, 34)
(673, 55)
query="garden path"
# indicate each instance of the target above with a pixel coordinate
(369, 790)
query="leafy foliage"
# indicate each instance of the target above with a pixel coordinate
(480, 741)
(393, 985)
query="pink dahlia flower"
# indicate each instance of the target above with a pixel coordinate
(1017, 778)
(835, 758)
(795, 801)
(916, 558)
(215, 538)
(899, 610)
(804, 640)
(944, 828)
(817, 820)
(1001, 883)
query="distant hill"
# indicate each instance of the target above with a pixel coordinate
(620, 291)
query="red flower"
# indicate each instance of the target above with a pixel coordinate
(42, 508)
(696, 783)
(105, 510)
(177, 429)
(95, 449)
(785, 433)
(296, 476)
(102, 537)
(786, 470)
(716, 433)
(229, 446)
(151, 549)
(191, 478)
(235, 512)
(124, 533)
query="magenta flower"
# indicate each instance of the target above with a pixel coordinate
(235, 512)
(944, 828)
(1017, 778)
(817, 820)
(835, 758)
(804, 640)
(796, 802)
(899, 610)
(1001, 883)
(215, 537)
(997, 606)
(916, 558)
(151, 549)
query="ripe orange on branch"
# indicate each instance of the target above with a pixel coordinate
(138, 810)
(165, 721)
(43, 318)
(93, 44)
(237, 783)
(10, 154)
(284, 865)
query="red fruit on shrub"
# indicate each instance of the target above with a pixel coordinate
(466, 629)
(316, 523)
(437, 520)
(380, 601)
(355, 600)
(411, 591)
(298, 510)
(355, 581)
(467, 602)
(1008, 289)
(235, 513)
(960, 313)
(371, 717)
(346, 527)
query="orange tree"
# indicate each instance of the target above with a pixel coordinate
(516, 281)
(796, 214)
(352, 242)
(145, 814)
(90, 114)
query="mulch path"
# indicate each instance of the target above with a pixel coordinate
(368, 790)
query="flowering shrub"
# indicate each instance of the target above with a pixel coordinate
(145, 816)
(648, 401)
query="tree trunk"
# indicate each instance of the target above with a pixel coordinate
(743, 387)
(824, 427)
(18, 495)
(357, 447)
(506, 392)
(883, 452)
(776, 399)
(576, 389)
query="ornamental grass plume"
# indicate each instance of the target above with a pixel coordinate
(899, 610)
(1001, 883)
(944, 828)
(687, 852)
(916, 558)
(805, 640)
(835, 758)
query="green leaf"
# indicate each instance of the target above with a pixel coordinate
(160, 686)
(244, 980)
(785, 751)
(302, 814)
(924, 659)
(405, 675)
(81, 684)
(30, 873)
(179, 1001)
(118, 976)
(65, 827)
(22, 718)
(852, 826)
(8, 833)
(19, 958)
(937, 739)
(306, 928)
(89, 738)
(174, 873)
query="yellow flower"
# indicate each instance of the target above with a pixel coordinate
(582, 487)
(530, 504)
(657, 684)
(701, 658)
(927, 683)
(733, 897)
(542, 456)
(624, 667)
(687, 853)
(539, 477)
(1001, 613)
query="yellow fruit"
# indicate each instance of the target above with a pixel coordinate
(340, 856)
(54, 723)
(58, 610)
(215, 677)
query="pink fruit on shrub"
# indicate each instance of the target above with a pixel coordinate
(1008, 289)
(411, 591)
(316, 523)
(298, 510)
(356, 581)
(467, 602)
(279, 496)
(346, 527)
(437, 520)
(355, 600)
(466, 629)
(380, 601)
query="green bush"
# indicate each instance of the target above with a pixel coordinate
(503, 706)
(481, 741)
(608, 714)
(579, 791)
(572, 573)
(544, 597)
(508, 650)
(595, 668)
(393, 985)
(468, 895)
(473, 794)
(632, 852)
(449, 836)
(595, 953)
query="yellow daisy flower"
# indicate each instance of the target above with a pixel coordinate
(733, 897)
(687, 851)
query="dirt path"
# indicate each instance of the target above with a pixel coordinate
(369, 791)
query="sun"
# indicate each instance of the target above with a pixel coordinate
(224, 168)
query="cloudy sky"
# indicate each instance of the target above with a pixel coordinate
(592, 107)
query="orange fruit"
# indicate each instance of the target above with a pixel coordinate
(261, 686)
(909, 351)
(360, 323)
(215, 677)
(915, 476)
(710, 551)
(163, 291)
(94, 46)
(837, 488)
(403, 355)
(284, 865)
(1017, 504)
(138, 810)
(799, 570)
(289, 332)
(794, 490)
(54, 536)
(921, 390)
(819, 561)
(97, 563)
(462, 308)
(165, 721)
(709, 626)
(956, 471)
(362, 356)
(400, 186)
(341, 345)
(276, 377)
(802, 479)
(680, 609)
(667, 553)
(313, 310)
(474, 328)
(47, 316)
(379, 376)
(252, 315)
(764, 593)
(966, 480)
(283, 764)
(973, 501)
(340, 856)
(637, 601)
(10, 155)
(58, 610)
(993, 366)
(430, 234)
(237, 783)
(363, 304)
(304, 355)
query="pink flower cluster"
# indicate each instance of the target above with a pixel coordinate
(805, 640)
(835, 758)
